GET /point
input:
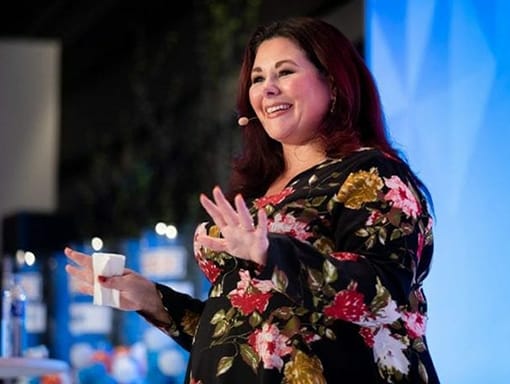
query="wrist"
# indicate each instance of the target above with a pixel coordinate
(151, 300)
(153, 308)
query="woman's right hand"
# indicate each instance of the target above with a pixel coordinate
(136, 292)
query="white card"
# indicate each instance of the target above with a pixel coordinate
(107, 264)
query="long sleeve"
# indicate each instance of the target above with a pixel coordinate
(183, 315)
(360, 259)
(378, 233)
(339, 299)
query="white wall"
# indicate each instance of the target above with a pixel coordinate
(29, 125)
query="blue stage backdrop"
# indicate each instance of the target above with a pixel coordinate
(443, 68)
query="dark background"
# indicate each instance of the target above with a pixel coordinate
(148, 116)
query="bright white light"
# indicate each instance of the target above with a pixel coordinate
(96, 243)
(160, 228)
(171, 232)
(20, 257)
(29, 258)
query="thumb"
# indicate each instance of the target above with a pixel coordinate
(119, 282)
(109, 281)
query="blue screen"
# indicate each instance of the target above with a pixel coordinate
(443, 71)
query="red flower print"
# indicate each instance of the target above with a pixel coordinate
(251, 294)
(415, 324)
(348, 305)
(401, 197)
(270, 345)
(210, 269)
(345, 256)
(273, 199)
(250, 302)
(368, 336)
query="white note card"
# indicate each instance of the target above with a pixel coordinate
(107, 264)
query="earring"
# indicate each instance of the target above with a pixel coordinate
(333, 104)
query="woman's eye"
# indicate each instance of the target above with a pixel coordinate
(285, 72)
(257, 79)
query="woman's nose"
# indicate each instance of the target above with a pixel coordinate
(271, 88)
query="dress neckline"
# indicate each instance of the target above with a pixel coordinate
(300, 174)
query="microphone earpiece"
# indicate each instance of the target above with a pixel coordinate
(243, 120)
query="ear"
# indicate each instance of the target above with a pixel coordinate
(333, 94)
(332, 87)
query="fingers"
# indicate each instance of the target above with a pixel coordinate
(229, 215)
(212, 210)
(80, 274)
(86, 289)
(262, 221)
(244, 217)
(214, 243)
(120, 282)
(223, 214)
(82, 259)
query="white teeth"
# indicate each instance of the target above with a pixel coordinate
(279, 107)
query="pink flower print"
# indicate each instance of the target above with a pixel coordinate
(209, 268)
(270, 345)
(418, 294)
(374, 217)
(197, 248)
(429, 226)
(389, 352)
(401, 197)
(348, 305)
(288, 225)
(273, 199)
(422, 239)
(415, 324)
(384, 315)
(421, 244)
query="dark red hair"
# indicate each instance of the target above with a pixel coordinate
(356, 121)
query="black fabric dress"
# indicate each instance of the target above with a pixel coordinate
(340, 299)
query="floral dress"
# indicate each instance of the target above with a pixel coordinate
(340, 299)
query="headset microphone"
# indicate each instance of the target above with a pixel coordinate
(243, 120)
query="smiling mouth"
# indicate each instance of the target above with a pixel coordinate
(277, 108)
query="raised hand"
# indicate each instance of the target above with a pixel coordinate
(240, 237)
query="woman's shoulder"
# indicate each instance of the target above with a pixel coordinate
(368, 157)
(372, 161)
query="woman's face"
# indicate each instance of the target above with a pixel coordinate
(288, 94)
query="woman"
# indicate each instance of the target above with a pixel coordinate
(317, 256)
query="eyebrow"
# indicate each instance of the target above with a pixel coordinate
(278, 64)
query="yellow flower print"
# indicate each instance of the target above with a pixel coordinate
(214, 231)
(359, 188)
(190, 322)
(303, 369)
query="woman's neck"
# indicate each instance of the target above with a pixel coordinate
(297, 159)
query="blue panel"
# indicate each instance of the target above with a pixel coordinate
(443, 68)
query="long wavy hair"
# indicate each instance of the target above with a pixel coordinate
(357, 119)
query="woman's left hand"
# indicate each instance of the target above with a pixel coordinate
(240, 237)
